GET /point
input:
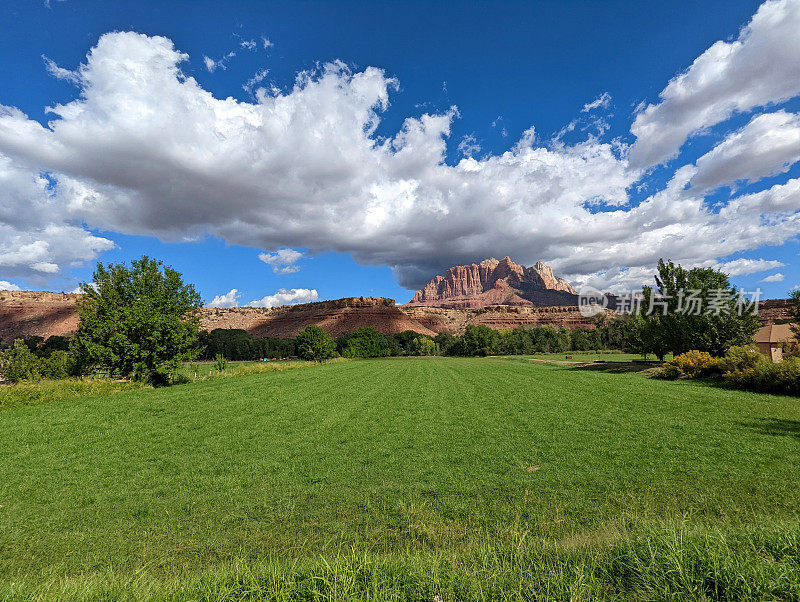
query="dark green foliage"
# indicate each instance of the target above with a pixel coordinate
(366, 342)
(405, 338)
(768, 377)
(238, 345)
(445, 342)
(584, 340)
(314, 344)
(481, 340)
(795, 311)
(617, 332)
(139, 321)
(19, 363)
(58, 364)
(54, 343)
(33, 342)
(680, 332)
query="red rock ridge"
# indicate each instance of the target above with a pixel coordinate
(493, 282)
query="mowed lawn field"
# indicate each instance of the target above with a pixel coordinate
(404, 478)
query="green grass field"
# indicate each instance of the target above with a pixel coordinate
(406, 478)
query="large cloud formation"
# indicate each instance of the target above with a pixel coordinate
(146, 150)
(760, 67)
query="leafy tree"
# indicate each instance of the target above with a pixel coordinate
(315, 344)
(479, 340)
(365, 342)
(675, 326)
(19, 363)
(139, 321)
(423, 345)
(53, 343)
(794, 296)
(584, 340)
(405, 338)
(445, 342)
(617, 332)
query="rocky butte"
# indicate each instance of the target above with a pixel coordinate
(493, 282)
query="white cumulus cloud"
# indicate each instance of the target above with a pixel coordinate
(601, 102)
(286, 297)
(229, 299)
(283, 261)
(768, 145)
(760, 67)
(5, 285)
(38, 232)
(777, 277)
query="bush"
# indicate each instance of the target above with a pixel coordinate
(220, 363)
(19, 363)
(790, 349)
(745, 357)
(58, 365)
(692, 364)
(766, 377)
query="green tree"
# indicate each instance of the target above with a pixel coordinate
(423, 345)
(676, 326)
(366, 342)
(139, 321)
(19, 363)
(479, 340)
(315, 344)
(794, 296)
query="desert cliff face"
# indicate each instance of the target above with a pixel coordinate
(336, 317)
(493, 282)
(37, 314)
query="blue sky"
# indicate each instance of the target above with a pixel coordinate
(436, 134)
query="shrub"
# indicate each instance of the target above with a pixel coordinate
(56, 366)
(220, 363)
(692, 364)
(19, 363)
(766, 377)
(745, 357)
(790, 348)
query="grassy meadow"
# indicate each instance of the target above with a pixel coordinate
(404, 479)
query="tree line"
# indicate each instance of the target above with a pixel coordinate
(141, 321)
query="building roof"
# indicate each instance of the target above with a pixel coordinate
(774, 333)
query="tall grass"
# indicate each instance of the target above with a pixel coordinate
(676, 562)
(42, 391)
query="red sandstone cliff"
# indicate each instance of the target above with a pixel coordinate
(493, 282)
